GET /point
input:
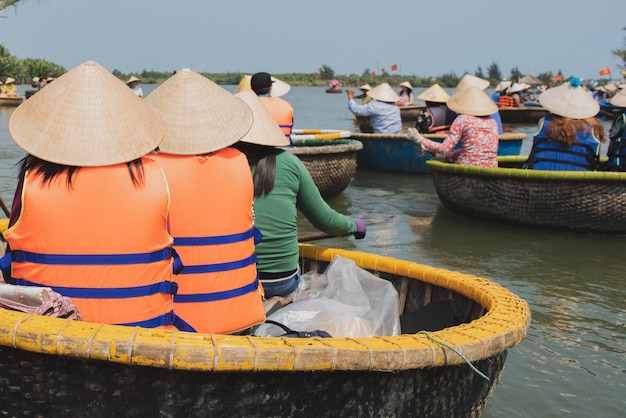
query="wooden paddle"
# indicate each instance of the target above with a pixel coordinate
(4, 206)
(313, 236)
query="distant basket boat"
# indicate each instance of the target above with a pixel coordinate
(11, 100)
(585, 201)
(331, 162)
(522, 115)
(334, 90)
(455, 327)
(395, 153)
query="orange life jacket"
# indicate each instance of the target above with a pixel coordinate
(212, 223)
(506, 101)
(103, 242)
(282, 112)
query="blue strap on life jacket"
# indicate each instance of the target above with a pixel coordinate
(91, 259)
(217, 267)
(220, 239)
(215, 296)
(169, 318)
(107, 292)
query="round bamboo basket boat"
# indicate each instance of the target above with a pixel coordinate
(331, 162)
(455, 327)
(583, 201)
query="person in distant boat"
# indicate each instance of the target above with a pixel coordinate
(43, 82)
(365, 99)
(280, 109)
(569, 136)
(515, 92)
(405, 96)
(108, 247)
(383, 112)
(473, 128)
(211, 213)
(498, 91)
(133, 83)
(617, 133)
(506, 100)
(469, 80)
(9, 88)
(282, 187)
(435, 117)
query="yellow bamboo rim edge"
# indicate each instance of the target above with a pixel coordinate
(502, 327)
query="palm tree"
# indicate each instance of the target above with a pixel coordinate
(6, 3)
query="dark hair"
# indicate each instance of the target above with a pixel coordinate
(50, 170)
(264, 158)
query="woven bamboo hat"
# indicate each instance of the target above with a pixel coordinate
(619, 99)
(200, 116)
(569, 100)
(9, 80)
(469, 80)
(264, 130)
(517, 87)
(406, 84)
(434, 93)
(383, 93)
(365, 87)
(87, 117)
(279, 87)
(132, 78)
(472, 101)
(503, 85)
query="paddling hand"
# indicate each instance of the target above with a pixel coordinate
(360, 228)
(350, 94)
(414, 135)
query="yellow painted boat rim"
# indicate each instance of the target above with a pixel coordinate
(503, 326)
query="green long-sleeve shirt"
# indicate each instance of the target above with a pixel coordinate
(276, 215)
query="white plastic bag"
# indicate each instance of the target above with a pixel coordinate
(345, 301)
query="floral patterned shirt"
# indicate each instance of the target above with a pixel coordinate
(479, 142)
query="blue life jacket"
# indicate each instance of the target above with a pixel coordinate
(617, 147)
(553, 155)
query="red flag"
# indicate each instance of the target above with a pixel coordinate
(382, 70)
(605, 71)
(372, 74)
(394, 67)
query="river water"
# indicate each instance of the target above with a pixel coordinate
(572, 362)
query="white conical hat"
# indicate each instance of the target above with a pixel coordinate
(406, 84)
(199, 115)
(469, 80)
(383, 93)
(365, 87)
(279, 87)
(472, 101)
(434, 93)
(87, 117)
(264, 130)
(619, 99)
(569, 100)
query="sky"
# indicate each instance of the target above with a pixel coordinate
(423, 38)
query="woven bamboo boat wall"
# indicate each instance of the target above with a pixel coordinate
(395, 153)
(584, 201)
(62, 367)
(331, 162)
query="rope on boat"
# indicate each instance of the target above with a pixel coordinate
(458, 353)
(308, 134)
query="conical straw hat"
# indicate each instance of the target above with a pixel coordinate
(619, 99)
(264, 130)
(469, 80)
(279, 88)
(517, 87)
(406, 84)
(199, 115)
(9, 80)
(383, 93)
(503, 85)
(434, 93)
(132, 78)
(472, 101)
(365, 87)
(87, 117)
(569, 100)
